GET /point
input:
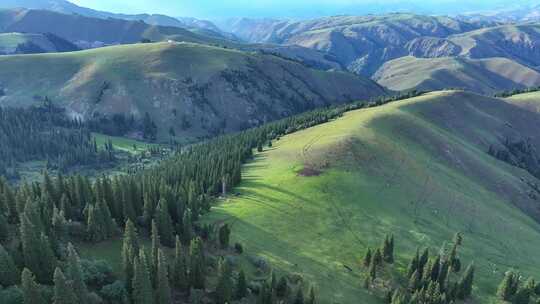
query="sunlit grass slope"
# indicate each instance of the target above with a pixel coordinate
(416, 168)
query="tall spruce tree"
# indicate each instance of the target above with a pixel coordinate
(130, 249)
(466, 282)
(506, 289)
(30, 288)
(241, 286)
(142, 292)
(154, 253)
(9, 274)
(163, 289)
(224, 288)
(63, 293)
(367, 258)
(197, 273)
(180, 276)
(75, 275)
(164, 223)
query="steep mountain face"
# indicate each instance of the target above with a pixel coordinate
(19, 43)
(359, 43)
(194, 89)
(89, 32)
(419, 169)
(487, 76)
(66, 7)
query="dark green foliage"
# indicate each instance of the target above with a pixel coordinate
(238, 248)
(115, 293)
(282, 287)
(149, 127)
(130, 249)
(312, 298)
(508, 286)
(75, 275)
(224, 235)
(377, 259)
(414, 265)
(63, 293)
(224, 288)
(164, 223)
(197, 273)
(37, 251)
(163, 290)
(30, 289)
(367, 258)
(142, 285)
(179, 271)
(9, 274)
(44, 132)
(241, 286)
(466, 283)
(97, 273)
(388, 249)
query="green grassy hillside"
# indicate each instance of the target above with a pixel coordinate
(529, 101)
(417, 168)
(196, 90)
(23, 43)
(478, 75)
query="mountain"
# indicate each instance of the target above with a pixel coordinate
(195, 89)
(509, 13)
(66, 7)
(420, 169)
(486, 60)
(89, 32)
(359, 43)
(485, 76)
(18, 43)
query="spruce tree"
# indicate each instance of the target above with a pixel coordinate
(163, 289)
(30, 289)
(415, 281)
(466, 283)
(30, 241)
(413, 265)
(505, 291)
(388, 249)
(48, 259)
(130, 249)
(373, 271)
(142, 292)
(224, 286)
(197, 273)
(164, 223)
(377, 258)
(63, 293)
(75, 275)
(312, 299)
(224, 236)
(367, 258)
(9, 274)
(241, 286)
(180, 277)
(154, 253)
(282, 287)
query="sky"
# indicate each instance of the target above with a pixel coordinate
(213, 9)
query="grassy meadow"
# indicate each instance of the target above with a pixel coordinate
(317, 199)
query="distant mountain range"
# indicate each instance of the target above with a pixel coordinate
(66, 7)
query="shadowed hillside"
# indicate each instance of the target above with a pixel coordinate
(420, 169)
(192, 89)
